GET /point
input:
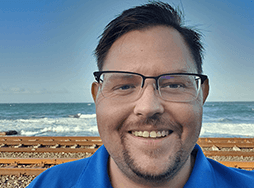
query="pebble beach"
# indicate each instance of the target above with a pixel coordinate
(220, 119)
(22, 181)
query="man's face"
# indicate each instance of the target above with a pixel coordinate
(150, 52)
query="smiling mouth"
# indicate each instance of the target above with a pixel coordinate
(152, 134)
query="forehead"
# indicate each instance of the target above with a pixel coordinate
(151, 51)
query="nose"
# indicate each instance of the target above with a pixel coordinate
(149, 104)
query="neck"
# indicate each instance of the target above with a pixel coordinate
(120, 180)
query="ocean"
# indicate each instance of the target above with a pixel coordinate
(220, 119)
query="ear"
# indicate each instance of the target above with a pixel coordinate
(205, 89)
(94, 90)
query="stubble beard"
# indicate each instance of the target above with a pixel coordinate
(149, 178)
(174, 163)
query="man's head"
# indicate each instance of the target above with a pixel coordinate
(143, 17)
(151, 134)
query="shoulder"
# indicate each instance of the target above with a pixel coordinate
(63, 175)
(78, 173)
(210, 174)
(232, 177)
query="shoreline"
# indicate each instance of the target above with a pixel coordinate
(43, 152)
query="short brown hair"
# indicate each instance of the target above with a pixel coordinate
(144, 16)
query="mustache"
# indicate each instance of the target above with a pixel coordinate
(155, 121)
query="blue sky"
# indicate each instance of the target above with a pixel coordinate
(46, 47)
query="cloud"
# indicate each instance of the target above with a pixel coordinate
(20, 90)
(17, 90)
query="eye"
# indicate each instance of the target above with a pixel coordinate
(175, 86)
(172, 86)
(124, 87)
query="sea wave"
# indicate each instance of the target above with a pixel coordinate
(61, 131)
(52, 126)
(88, 116)
(225, 120)
(39, 120)
(227, 130)
(86, 125)
(84, 116)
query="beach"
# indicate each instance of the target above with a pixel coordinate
(231, 151)
(220, 120)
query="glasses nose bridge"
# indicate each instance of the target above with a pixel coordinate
(150, 77)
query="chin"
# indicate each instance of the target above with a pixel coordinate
(149, 174)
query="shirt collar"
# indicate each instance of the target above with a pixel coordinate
(202, 173)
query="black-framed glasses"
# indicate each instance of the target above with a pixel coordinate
(125, 86)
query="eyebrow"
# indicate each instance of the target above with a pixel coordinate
(177, 71)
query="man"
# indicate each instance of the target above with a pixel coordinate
(149, 95)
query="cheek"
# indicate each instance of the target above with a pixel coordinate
(110, 117)
(191, 120)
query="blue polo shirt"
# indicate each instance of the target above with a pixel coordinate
(92, 173)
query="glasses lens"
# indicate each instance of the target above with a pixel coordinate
(121, 86)
(179, 88)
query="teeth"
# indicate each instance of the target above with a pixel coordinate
(140, 133)
(146, 134)
(163, 133)
(158, 134)
(136, 133)
(152, 134)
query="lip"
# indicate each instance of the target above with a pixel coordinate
(149, 129)
(156, 134)
(149, 143)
